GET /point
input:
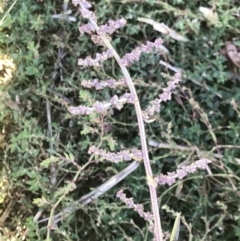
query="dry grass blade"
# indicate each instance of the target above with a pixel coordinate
(161, 27)
(208, 13)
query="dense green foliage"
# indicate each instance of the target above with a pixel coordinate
(37, 128)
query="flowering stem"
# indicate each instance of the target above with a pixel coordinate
(148, 169)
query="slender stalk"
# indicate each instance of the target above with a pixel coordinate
(148, 169)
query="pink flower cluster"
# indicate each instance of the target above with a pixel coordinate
(87, 28)
(171, 177)
(129, 58)
(83, 3)
(124, 155)
(96, 62)
(167, 92)
(112, 26)
(138, 208)
(108, 28)
(102, 107)
(98, 85)
(154, 106)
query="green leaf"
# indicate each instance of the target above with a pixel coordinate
(32, 174)
(31, 70)
(51, 151)
(7, 23)
(46, 163)
(15, 115)
(22, 18)
(40, 201)
(37, 23)
(71, 156)
(23, 135)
